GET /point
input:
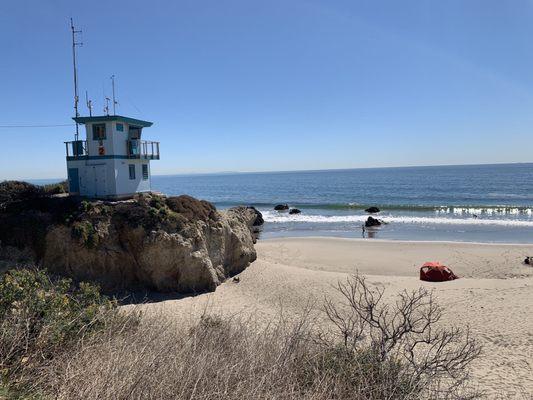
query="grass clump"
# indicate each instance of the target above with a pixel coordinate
(42, 317)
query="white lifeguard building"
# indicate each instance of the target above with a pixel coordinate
(113, 162)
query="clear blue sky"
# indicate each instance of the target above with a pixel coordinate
(245, 85)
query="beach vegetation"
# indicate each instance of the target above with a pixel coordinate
(86, 233)
(228, 357)
(56, 188)
(62, 340)
(404, 336)
(42, 317)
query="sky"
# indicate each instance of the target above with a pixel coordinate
(247, 85)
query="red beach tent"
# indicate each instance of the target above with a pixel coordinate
(436, 272)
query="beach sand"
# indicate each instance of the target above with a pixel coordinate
(494, 295)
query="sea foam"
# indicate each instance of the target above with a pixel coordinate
(276, 217)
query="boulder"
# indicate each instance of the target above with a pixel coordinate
(372, 222)
(294, 211)
(372, 210)
(281, 207)
(177, 244)
(258, 221)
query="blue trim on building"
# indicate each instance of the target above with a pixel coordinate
(120, 118)
(143, 157)
(72, 158)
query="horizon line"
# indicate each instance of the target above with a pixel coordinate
(338, 169)
(297, 170)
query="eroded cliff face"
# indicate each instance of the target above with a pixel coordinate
(154, 242)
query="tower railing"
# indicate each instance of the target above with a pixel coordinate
(76, 148)
(143, 149)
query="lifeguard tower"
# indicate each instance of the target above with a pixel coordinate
(112, 162)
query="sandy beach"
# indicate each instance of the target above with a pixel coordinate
(494, 295)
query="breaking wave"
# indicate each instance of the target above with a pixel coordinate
(275, 217)
(488, 210)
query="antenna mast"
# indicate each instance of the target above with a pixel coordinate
(89, 104)
(114, 101)
(76, 97)
(106, 107)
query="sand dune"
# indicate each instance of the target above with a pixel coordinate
(494, 295)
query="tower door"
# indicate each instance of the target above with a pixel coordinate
(73, 180)
(96, 181)
(101, 184)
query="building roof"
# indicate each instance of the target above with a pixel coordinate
(105, 118)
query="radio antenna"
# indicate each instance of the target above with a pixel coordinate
(106, 107)
(89, 104)
(114, 100)
(75, 68)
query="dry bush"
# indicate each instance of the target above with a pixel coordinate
(213, 359)
(432, 360)
(386, 352)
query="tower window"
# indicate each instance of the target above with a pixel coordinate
(135, 132)
(145, 172)
(120, 127)
(99, 132)
(132, 171)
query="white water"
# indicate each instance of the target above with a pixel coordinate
(276, 217)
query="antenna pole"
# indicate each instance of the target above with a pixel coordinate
(106, 107)
(75, 68)
(114, 101)
(89, 104)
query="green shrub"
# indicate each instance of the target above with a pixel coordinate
(157, 202)
(41, 316)
(85, 232)
(86, 206)
(13, 191)
(361, 371)
(56, 188)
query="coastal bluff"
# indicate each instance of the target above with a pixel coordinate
(154, 242)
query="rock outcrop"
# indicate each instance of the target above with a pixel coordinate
(372, 210)
(281, 207)
(258, 221)
(294, 211)
(153, 242)
(370, 222)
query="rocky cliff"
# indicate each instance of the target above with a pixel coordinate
(154, 242)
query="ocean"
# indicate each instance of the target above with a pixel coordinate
(474, 203)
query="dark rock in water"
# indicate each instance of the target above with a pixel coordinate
(372, 222)
(294, 211)
(372, 210)
(281, 207)
(258, 216)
